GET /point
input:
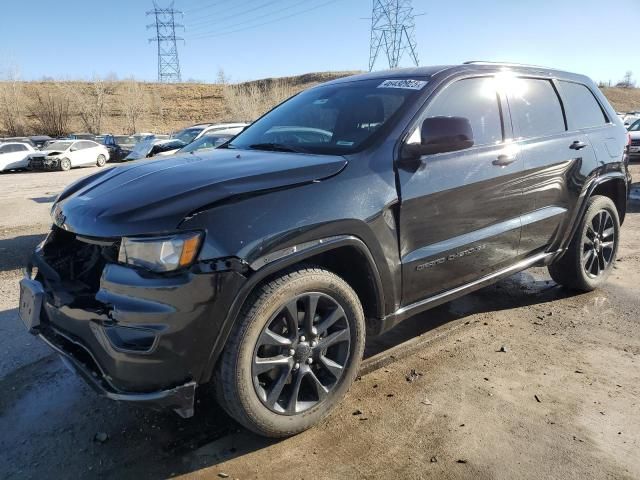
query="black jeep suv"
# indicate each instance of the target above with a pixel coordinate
(261, 265)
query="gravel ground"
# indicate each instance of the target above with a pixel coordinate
(440, 398)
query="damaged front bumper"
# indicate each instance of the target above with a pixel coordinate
(44, 163)
(75, 356)
(132, 335)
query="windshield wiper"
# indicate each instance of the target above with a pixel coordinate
(276, 147)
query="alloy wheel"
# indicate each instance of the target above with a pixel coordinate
(301, 354)
(598, 244)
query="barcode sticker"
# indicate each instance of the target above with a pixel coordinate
(403, 83)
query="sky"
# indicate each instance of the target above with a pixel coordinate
(251, 39)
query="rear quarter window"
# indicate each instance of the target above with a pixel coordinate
(535, 108)
(583, 110)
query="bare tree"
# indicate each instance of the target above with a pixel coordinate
(91, 105)
(51, 110)
(12, 104)
(133, 104)
(248, 101)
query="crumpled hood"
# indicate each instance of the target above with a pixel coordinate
(154, 196)
(45, 153)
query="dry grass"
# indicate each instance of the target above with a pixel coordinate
(127, 106)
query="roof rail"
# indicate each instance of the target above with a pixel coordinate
(512, 64)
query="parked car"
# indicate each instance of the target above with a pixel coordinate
(153, 146)
(119, 146)
(26, 140)
(83, 136)
(261, 265)
(206, 142)
(14, 155)
(40, 140)
(194, 132)
(630, 118)
(67, 154)
(634, 139)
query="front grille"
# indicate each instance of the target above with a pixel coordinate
(36, 163)
(635, 142)
(78, 261)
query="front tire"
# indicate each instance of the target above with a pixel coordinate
(65, 164)
(294, 353)
(101, 161)
(592, 252)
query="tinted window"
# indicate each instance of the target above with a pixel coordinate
(535, 107)
(19, 148)
(332, 119)
(5, 148)
(582, 108)
(474, 99)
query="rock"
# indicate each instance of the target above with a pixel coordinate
(461, 461)
(434, 459)
(101, 437)
(503, 349)
(537, 398)
(357, 412)
(426, 401)
(579, 371)
(223, 475)
(389, 394)
(413, 375)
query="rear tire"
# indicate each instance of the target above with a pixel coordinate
(65, 164)
(101, 161)
(283, 370)
(592, 252)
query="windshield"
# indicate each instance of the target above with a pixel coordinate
(59, 145)
(124, 140)
(188, 134)
(635, 126)
(334, 119)
(208, 141)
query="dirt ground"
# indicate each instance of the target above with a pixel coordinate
(437, 398)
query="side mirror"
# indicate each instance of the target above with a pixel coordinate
(440, 135)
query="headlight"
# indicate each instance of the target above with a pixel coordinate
(160, 254)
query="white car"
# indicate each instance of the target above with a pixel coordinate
(14, 155)
(154, 146)
(634, 137)
(67, 154)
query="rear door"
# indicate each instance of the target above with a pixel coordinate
(460, 211)
(553, 157)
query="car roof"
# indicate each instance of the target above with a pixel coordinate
(472, 66)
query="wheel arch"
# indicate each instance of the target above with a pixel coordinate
(347, 256)
(616, 189)
(612, 185)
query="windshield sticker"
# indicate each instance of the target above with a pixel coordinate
(403, 83)
(344, 143)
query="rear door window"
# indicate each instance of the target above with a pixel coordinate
(583, 110)
(535, 107)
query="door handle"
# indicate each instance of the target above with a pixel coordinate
(577, 145)
(503, 160)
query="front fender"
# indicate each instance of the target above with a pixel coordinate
(270, 264)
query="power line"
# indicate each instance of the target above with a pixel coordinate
(218, 34)
(392, 27)
(203, 7)
(203, 22)
(269, 14)
(165, 28)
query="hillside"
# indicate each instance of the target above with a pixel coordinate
(128, 106)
